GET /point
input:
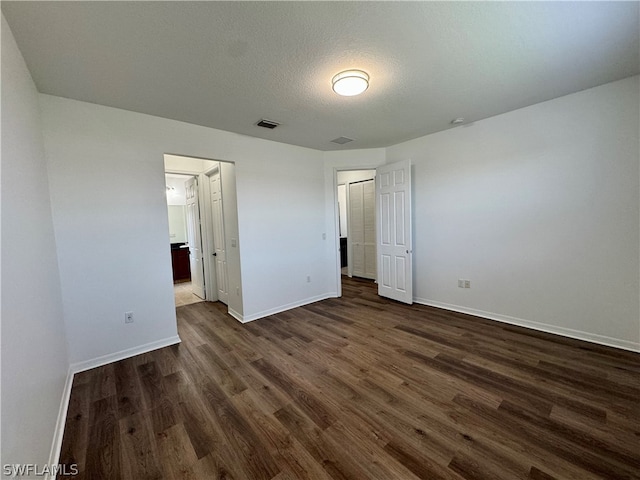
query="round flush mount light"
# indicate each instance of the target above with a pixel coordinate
(350, 83)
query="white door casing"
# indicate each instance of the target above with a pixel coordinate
(393, 233)
(219, 244)
(194, 237)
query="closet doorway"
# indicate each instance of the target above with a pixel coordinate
(357, 225)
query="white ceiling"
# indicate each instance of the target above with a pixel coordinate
(228, 64)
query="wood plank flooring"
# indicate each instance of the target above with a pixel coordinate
(358, 388)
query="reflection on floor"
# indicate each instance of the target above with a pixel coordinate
(182, 292)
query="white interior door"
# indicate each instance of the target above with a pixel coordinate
(393, 219)
(362, 229)
(194, 238)
(219, 244)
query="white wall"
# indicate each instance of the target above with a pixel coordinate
(176, 206)
(177, 223)
(351, 176)
(178, 195)
(97, 153)
(181, 164)
(34, 349)
(344, 177)
(342, 211)
(280, 192)
(539, 208)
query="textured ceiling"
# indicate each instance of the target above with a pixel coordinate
(228, 64)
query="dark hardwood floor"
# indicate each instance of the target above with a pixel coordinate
(358, 388)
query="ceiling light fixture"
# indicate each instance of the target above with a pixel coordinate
(350, 83)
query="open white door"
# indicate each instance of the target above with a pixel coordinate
(219, 244)
(393, 235)
(194, 238)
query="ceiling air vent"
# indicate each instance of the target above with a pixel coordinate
(270, 124)
(342, 140)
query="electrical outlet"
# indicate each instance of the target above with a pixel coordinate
(128, 317)
(460, 283)
(308, 278)
(467, 284)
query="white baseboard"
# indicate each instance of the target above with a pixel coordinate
(54, 456)
(543, 327)
(121, 355)
(58, 433)
(282, 308)
(236, 315)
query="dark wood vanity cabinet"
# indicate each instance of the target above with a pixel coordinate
(180, 262)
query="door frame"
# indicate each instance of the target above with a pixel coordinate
(210, 287)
